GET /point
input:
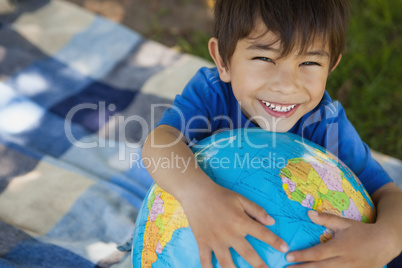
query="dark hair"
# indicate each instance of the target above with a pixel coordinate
(290, 20)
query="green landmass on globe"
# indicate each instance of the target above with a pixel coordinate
(281, 172)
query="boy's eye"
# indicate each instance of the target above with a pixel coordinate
(310, 63)
(263, 59)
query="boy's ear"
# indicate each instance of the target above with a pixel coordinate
(216, 56)
(337, 62)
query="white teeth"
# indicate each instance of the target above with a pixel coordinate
(267, 103)
(279, 108)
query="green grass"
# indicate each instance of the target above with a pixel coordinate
(367, 81)
(190, 44)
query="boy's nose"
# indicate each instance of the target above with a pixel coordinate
(285, 82)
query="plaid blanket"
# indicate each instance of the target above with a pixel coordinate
(78, 95)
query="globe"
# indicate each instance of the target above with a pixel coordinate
(282, 172)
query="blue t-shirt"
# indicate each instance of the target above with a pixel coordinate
(207, 105)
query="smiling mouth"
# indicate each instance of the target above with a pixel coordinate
(279, 108)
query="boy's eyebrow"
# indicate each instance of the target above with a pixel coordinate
(320, 53)
(262, 47)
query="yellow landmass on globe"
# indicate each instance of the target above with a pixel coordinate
(303, 184)
(299, 170)
(360, 202)
(306, 179)
(166, 216)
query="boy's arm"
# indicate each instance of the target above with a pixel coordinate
(219, 218)
(359, 244)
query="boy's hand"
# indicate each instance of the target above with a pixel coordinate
(352, 246)
(220, 219)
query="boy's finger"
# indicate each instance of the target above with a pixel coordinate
(257, 212)
(317, 253)
(329, 263)
(328, 220)
(245, 250)
(224, 257)
(264, 234)
(205, 257)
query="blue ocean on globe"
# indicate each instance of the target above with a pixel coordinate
(282, 172)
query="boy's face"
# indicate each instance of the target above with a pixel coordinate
(275, 92)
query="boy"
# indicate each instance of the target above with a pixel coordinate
(273, 58)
